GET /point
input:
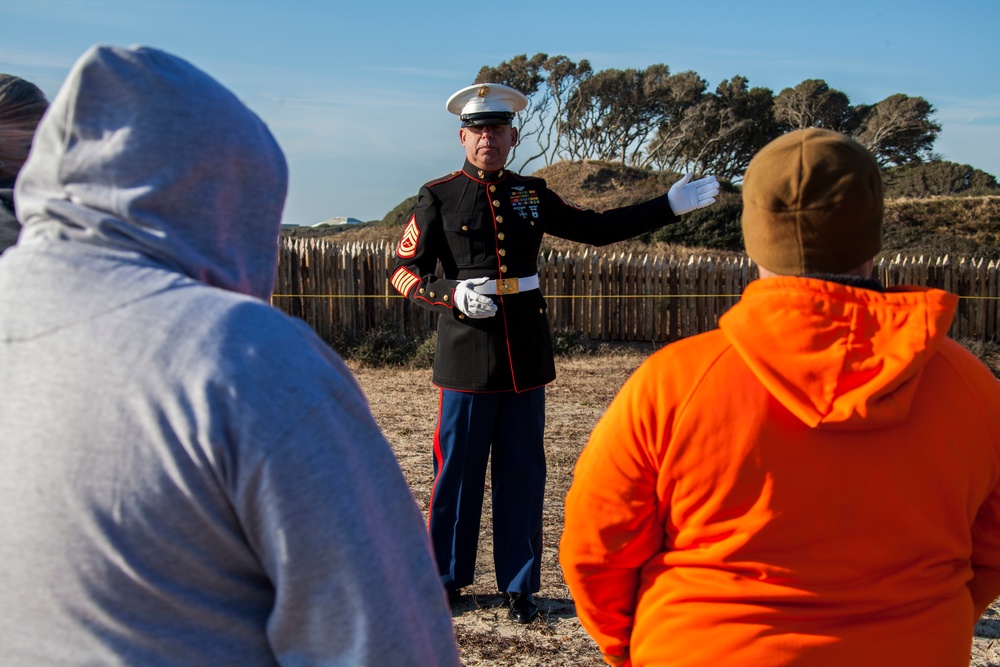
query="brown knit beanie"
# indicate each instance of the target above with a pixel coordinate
(812, 203)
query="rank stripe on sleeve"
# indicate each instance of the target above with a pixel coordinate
(404, 281)
(408, 244)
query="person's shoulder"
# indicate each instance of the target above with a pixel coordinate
(693, 351)
(267, 373)
(968, 366)
(245, 320)
(683, 363)
(442, 180)
(249, 342)
(442, 188)
(219, 322)
(956, 376)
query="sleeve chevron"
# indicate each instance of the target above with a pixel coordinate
(404, 281)
(407, 247)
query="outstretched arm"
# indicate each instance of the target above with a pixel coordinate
(587, 226)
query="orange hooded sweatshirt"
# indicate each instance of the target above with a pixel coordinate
(815, 483)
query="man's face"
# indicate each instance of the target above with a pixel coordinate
(487, 146)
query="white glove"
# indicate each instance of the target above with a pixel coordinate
(686, 195)
(472, 303)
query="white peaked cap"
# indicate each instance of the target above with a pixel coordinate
(486, 104)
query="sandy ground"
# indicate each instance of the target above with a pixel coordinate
(405, 404)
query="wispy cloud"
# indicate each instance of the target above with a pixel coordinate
(19, 58)
(423, 73)
(969, 111)
(93, 12)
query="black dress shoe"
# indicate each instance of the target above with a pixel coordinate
(522, 607)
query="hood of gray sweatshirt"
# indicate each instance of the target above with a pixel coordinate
(143, 153)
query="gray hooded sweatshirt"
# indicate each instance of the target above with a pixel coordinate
(187, 476)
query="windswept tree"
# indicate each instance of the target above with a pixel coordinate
(725, 130)
(522, 74)
(898, 130)
(548, 83)
(650, 118)
(813, 103)
(613, 113)
(686, 90)
(563, 78)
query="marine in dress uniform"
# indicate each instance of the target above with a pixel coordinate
(494, 354)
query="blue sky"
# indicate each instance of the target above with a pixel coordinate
(355, 91)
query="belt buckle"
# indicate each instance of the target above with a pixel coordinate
(507, 286)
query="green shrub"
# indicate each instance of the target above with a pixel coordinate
(568, 343)
(716, 227)
(954, 226)
(383, 346)
(398, 216)
(938, 178)
(423, 356)
(376, 347)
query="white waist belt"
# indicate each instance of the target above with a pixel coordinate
(508, 285)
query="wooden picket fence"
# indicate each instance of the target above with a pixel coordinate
(344, 290)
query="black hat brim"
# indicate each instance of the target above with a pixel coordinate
(487, 118)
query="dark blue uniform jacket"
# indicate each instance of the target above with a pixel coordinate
(490, 224)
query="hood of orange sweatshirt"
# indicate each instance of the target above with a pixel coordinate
(836, 356)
